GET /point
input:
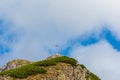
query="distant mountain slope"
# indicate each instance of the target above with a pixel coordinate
(55, 67)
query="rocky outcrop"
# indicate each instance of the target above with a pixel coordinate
(60, 71)
(53, 56)
(14, 64)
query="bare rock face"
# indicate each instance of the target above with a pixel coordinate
(62, 71)
(14, 64)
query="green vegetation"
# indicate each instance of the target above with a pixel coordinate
(36, 67)
(92, 76)
(24, 71)
(45, 63)
(54, 61)
(83, 67)
(65, 59)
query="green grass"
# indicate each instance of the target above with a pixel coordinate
(35, 68)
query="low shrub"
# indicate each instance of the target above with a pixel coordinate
(24, 71)
(45, 63)
(83, 67)
(65, 59)
(54, 61)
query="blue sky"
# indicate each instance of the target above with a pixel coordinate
(7, 38)
(32, 29)
(91, 39)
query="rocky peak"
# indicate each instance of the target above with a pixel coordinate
(55, 67)
(53, 56)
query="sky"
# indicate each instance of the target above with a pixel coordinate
(87, 30)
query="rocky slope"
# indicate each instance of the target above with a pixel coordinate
(62, 70)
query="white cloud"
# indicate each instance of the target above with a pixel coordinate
(101, 59)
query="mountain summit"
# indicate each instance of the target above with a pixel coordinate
(55, 67)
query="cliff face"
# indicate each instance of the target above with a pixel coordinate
(59, 71)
